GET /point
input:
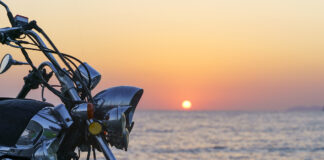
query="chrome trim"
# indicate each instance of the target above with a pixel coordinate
(115, 120)
(94, 74)
(63, 115)
(80, 110)
(118, 96)
(65, 81)
(105, 149)
(50, 134)
(41, 43)
(46, 150)
(30, 134)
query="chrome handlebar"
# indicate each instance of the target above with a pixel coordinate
(65, 81)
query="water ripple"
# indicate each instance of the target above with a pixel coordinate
(168, 135)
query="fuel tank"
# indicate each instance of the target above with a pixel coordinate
(42, 135)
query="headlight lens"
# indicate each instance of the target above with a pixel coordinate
(94, 74)
(116, 124)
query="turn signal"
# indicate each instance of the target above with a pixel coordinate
(90, 110)
(95, 128)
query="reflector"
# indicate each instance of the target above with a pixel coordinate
(95, 128)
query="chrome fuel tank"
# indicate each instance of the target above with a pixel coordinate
(42, 136)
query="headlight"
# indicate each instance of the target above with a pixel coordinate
(94, 75)
(116, 123)
(115, 107)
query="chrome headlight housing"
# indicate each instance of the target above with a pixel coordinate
(95, 76)
(118, 123)
(115, 107)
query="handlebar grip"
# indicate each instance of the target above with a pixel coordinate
(16, 31)
(12, 32)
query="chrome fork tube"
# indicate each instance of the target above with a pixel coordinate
(105, 149)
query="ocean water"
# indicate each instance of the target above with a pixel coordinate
(212, 135)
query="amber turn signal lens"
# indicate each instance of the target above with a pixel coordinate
(90, 110)
(95, 128)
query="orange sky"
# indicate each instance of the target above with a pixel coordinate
(220, 54)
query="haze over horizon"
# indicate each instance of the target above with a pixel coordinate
(219, 54)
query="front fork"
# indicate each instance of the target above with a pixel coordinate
(105, 148)
(103, 145)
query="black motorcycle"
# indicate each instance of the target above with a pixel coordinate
(31, 129)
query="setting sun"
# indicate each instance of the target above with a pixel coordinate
(186, 104)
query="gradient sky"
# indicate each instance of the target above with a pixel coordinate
(219, 54)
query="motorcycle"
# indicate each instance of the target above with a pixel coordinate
(32, 129)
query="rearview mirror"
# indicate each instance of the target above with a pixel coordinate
(6, 63)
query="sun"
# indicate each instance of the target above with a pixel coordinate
(186, 104)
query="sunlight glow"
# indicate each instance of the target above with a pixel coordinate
(186, 104)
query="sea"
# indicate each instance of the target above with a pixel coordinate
(228, 135)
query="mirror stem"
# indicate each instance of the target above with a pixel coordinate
(19, 63)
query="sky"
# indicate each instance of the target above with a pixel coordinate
(219, 54)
